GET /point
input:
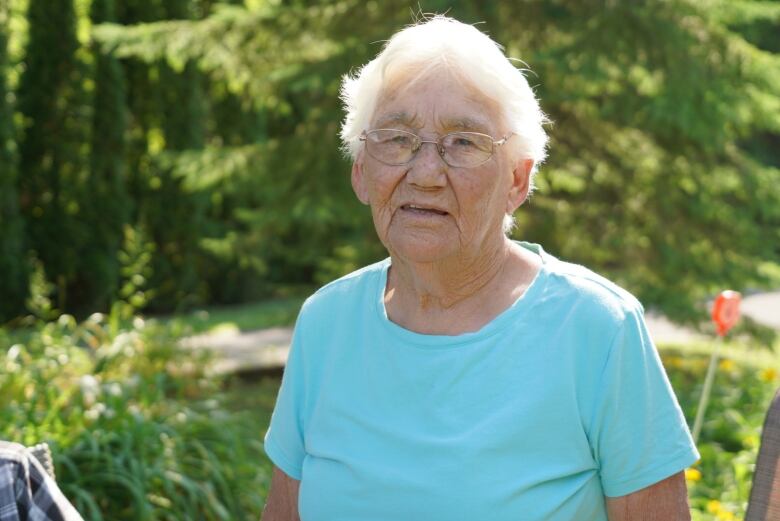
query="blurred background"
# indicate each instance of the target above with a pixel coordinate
(172, 167)
(205, 134)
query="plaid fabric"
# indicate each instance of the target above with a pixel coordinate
(27, 493)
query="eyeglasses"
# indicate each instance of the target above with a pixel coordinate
(458, 149)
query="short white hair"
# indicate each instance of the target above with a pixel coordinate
(459, 48)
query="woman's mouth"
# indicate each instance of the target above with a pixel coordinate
(422, 210)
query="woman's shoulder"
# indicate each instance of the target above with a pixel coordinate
(577, 283)
(355, 285)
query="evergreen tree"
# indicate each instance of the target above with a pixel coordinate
(177, 215)
(184, 110)
(647, 179)
(13, 266)
(52, 162)
(761, 27)
(144, 102)
(651, 176)
(157, 200)
(108, 205)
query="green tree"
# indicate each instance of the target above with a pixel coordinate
(177, 215)
(52, 162)
(650, 177)
(162, 121)
(647, 178)
(13, 267)
(293, 217)
(107, 208)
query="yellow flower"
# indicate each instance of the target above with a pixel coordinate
(727, 365)
(721, 513)
(750, 441)
(725, 515)
(714, 506)
(692, 474)
(768, 375)
(673, 361)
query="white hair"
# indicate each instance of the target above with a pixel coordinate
(461, 49)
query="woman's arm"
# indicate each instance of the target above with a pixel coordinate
(667, 500)
(282, 501)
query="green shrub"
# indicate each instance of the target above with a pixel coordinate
(139, 430)
(719, 484)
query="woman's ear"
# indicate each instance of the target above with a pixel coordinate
(521, 183)
(359, 181)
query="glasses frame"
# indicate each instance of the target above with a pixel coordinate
(495, 143)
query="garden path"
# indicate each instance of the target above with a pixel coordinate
(266, 349)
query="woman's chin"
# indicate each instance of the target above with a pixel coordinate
(424, 248)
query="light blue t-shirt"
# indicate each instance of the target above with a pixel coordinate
(557, 402)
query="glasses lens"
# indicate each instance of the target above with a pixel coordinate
(393, 147)
(467, 149)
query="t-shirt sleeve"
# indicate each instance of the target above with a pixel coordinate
(639, 434)
(284, 442)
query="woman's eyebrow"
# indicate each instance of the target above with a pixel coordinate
(465, 123)
(400, 118)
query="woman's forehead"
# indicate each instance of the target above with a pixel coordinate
(442, 100)
(451, 122)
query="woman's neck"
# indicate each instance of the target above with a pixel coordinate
(443, 284)
(457, 295)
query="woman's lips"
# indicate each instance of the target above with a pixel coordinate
(423, 210)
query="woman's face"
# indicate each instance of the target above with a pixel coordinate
(426, 210)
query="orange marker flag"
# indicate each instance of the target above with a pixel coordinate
(725, 312)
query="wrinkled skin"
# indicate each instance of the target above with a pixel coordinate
(476, 199)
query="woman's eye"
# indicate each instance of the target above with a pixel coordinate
(463, 142)
(401, 140)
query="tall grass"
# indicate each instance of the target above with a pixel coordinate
(138, 429)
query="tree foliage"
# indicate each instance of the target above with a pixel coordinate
(13, 268)
(109, 202)
(662, 171)
(52, 162)
(651, 102)
(649, 178)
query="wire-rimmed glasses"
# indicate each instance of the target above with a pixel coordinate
(395, 147)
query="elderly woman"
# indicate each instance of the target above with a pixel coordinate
(468, 376)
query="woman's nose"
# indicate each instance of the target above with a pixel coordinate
(427, 167)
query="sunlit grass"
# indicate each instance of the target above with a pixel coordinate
(742, 352)
(244, 317)
(217, 319)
